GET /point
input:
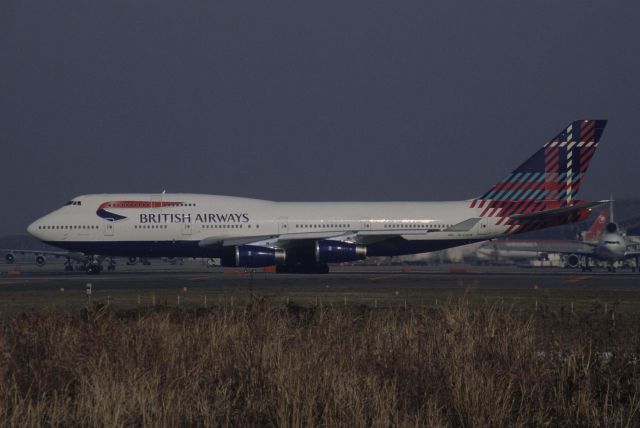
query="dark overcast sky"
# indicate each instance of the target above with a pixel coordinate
(306, 100)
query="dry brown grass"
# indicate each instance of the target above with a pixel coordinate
(454, 365)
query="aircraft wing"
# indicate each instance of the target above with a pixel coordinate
(292, 240)
(633, 249)
(634, 240)
(281, 241)
(289, 240)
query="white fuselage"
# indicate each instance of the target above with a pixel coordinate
(199, 225)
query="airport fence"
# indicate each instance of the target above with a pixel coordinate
(531, 301)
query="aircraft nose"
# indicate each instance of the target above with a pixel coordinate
(32, 229)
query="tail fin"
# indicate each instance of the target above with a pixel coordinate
(556, 171)
(596, 229)
(549, 179)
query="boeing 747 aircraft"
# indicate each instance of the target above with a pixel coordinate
(306, 237)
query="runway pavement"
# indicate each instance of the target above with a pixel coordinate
(195, 286)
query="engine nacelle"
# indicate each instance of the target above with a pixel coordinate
(41, 260)
(10, 258)
(252, 256)
(611, 228)
(573, 260)
(131, 261)
(328, 251)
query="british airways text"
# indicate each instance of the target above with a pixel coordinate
(197, 218)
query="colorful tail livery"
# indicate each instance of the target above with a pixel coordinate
(549, 180)
(594, 233)
(118, 205)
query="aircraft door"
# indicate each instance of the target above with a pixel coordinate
(109, 228)
(186, 229)
(365, 223)
(283, 225)
(483, 226)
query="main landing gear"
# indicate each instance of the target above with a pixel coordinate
(586, 267)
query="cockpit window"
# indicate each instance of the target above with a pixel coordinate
(73, 203)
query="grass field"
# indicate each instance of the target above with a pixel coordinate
(465, 362)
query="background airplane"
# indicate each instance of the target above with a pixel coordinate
(306, 237)
(40, 256)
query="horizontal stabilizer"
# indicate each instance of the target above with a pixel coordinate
(559, 212)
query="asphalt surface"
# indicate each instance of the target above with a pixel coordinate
(195, 286)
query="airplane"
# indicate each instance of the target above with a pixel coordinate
(40, 257)
(305, 237)
(604, 241)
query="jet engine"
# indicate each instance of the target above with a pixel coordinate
(10, 258)
(41, 260)
(328, 251)
(573, 260)
(252, 256)
(611, 228)
(131, 261)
